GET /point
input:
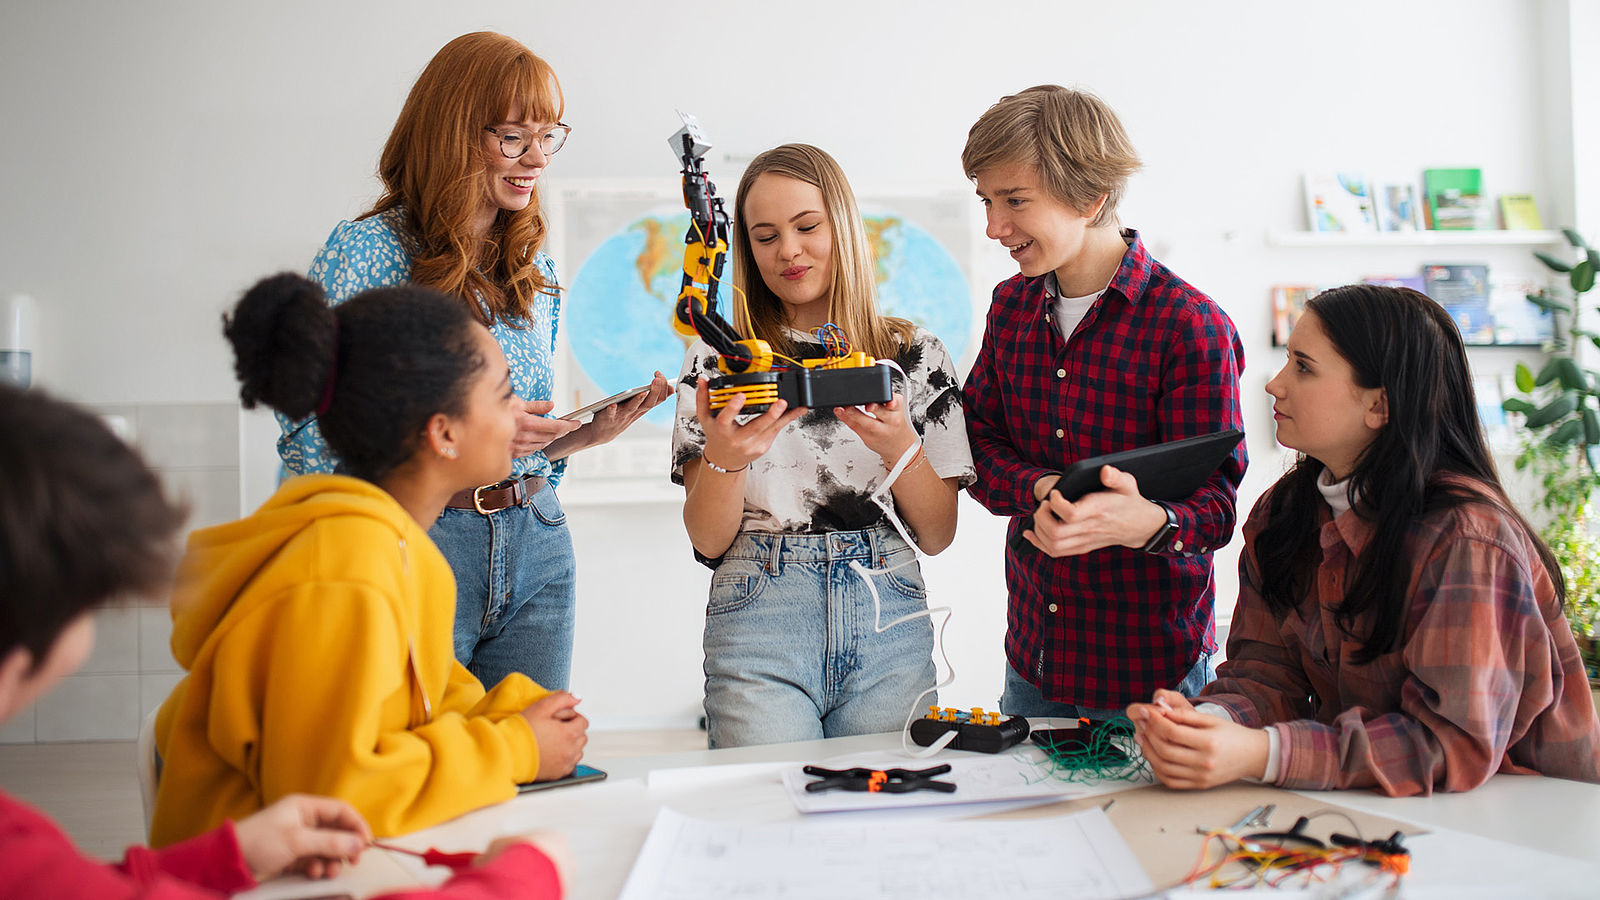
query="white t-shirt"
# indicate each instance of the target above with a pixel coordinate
(818, 476)
(1068, 311)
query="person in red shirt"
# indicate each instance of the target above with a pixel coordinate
(1400, 624)
(1093, 347)
(83, 520)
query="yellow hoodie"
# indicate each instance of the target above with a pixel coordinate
(317, 638)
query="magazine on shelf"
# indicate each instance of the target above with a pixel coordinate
(1454, 199)
(1338, 201)
(1516, 320)
(1288, 301)
(1463, 291)
(1519, 212)
(1395, 204)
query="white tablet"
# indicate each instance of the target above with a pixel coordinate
(591, 409)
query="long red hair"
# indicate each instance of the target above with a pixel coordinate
(433, 166)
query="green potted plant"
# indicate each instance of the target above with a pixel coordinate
(1560, 409)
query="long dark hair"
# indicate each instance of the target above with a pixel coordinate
(398, 354)
(1403, 342)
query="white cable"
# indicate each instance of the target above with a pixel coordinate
(884, 499)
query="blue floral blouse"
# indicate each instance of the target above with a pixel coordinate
(372, 253)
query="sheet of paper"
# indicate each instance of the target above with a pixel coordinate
(978, 777)
(1079, 856)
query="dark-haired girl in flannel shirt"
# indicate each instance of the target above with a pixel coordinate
(1400, 624)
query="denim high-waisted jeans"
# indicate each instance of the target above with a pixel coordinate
(516, 579)
(791, 651)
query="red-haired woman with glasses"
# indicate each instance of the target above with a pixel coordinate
(460, 213)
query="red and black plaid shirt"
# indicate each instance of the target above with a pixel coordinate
(1153, 360)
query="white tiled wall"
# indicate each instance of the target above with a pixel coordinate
(195, 448)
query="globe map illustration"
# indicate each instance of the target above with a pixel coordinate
(617, 313)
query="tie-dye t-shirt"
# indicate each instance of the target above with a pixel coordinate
(819, 476)
(375, 252)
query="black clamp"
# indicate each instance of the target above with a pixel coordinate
(887, 781)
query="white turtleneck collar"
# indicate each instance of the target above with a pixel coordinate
(1336, 493)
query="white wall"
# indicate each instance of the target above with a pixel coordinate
(160, 156)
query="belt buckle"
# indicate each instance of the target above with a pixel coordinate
(477, 499)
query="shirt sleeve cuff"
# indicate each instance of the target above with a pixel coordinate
(213, 860)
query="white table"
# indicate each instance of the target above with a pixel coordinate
(1550, 827)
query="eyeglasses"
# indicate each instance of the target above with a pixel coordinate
(514, 142)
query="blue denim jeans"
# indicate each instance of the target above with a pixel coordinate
(1023, 698)
(791, 651)
(516, 579)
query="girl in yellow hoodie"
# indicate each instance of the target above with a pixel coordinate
(317, 632)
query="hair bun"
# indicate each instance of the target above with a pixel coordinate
(283, 334)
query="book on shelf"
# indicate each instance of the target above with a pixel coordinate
(1454, 199)
(1339, 201)
(1395, 206)
(1288, 302)
(1516, 320)
(1519, 212)
(1463, 291)
(1413, 282)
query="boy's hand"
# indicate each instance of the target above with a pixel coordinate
(1117, 516)
(299, 833)
(560, 731)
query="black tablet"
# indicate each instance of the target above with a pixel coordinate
(1169, 471)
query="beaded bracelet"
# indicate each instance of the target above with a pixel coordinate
(716, 468)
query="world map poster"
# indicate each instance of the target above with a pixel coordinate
(621, 256)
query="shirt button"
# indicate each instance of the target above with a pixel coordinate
(1052, 607)
(1061, 373)
(1178, 546)
(1060, 433)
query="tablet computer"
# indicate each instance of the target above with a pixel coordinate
(584, 412)
(1169, 471)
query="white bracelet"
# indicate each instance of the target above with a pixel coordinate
(716, 468)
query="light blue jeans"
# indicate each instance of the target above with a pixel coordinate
(516, 579)
(791, 651)
(1023, 698)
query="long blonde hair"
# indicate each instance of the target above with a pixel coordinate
(852, 296)
(433, 166)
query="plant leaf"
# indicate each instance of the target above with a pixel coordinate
(1582, 277)
(1594, 259)
(1567, 434)
(1544, 302)
(1519, 405)
(1552, 262)
(1571, 376)
(1555, 410)
(1574, 238)
(1546, 374)
(1524, 378)
(1591, 427)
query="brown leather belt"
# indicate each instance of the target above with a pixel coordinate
(502, 495)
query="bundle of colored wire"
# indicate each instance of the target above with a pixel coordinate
(1108, 753)
(834, 342)
(1246, 861)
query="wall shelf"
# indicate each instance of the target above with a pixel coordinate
(1483, 238)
